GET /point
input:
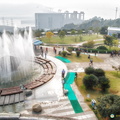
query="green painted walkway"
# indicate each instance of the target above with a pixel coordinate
(71, 95)
(65, 60)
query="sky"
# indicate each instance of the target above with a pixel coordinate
(100, 8)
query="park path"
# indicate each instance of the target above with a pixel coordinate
(77, 44)
(106, 65)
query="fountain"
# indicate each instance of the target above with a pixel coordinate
(16, 57)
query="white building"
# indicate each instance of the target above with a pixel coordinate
(114, 30)
(57, 20)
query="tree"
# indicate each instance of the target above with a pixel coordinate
(103, 30)
(61, 34)
(102, 48)
(80, 38)
(90, 81)
(99, 72)
(108, 104)
(49, 35)
(104, 83)
(37, 33)
(108, 40)
(89, 44)
(115, 42)
(73, 32)
(89, 70)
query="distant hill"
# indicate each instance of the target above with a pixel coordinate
(94, 23)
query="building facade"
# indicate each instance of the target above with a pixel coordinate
(114, 30)
(57, 20)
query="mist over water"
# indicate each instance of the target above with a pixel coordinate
(16, 56)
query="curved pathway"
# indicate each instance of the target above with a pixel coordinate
(106, 65)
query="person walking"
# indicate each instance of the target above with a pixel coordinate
(76, 75)
(91, 62)
(63, 73)
(88, 56)
(45, 54)
(95, 53)
(46, 50)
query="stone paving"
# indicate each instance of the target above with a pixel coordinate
(106, 65)
(57, 106)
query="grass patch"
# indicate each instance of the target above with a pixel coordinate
(99, 42)
(70, 39)
(114, 82)
(112, 48)
(94, 94)
(82, 58)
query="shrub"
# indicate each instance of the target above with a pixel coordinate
(85, 45)
(104, 83)
(89, 70)
(77, 53)
(64, 53)
(102, 48)
(89, 44)
(109, 104)
(92, 50)
(90, 81)
(88, 100)
(99, 72)
(69, 50)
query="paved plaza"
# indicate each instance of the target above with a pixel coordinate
(50, 96)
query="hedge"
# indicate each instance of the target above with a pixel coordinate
(90, 50)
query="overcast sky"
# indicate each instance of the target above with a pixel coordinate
(100, 8)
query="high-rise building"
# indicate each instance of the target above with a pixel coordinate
(57, 20)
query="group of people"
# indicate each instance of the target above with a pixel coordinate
(115, 53)
(43, 52)
(91, 60)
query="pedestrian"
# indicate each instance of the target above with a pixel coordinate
(62, 48)
(46, 50)
(42, 52)
(91, 62)
(63, 73)
(88, 56)
(95, 53)
(76, 75)
(45, 54)
(55, 51)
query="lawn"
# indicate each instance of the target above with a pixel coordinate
(70, 39)
(99, 42)
(82, 58)
(114, 82)
(94, 94)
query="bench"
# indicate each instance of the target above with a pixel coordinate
(43, 59)
(34, 84)
(53, 67)
(2, 100)
(12, 90)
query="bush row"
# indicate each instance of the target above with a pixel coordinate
(90, 50)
